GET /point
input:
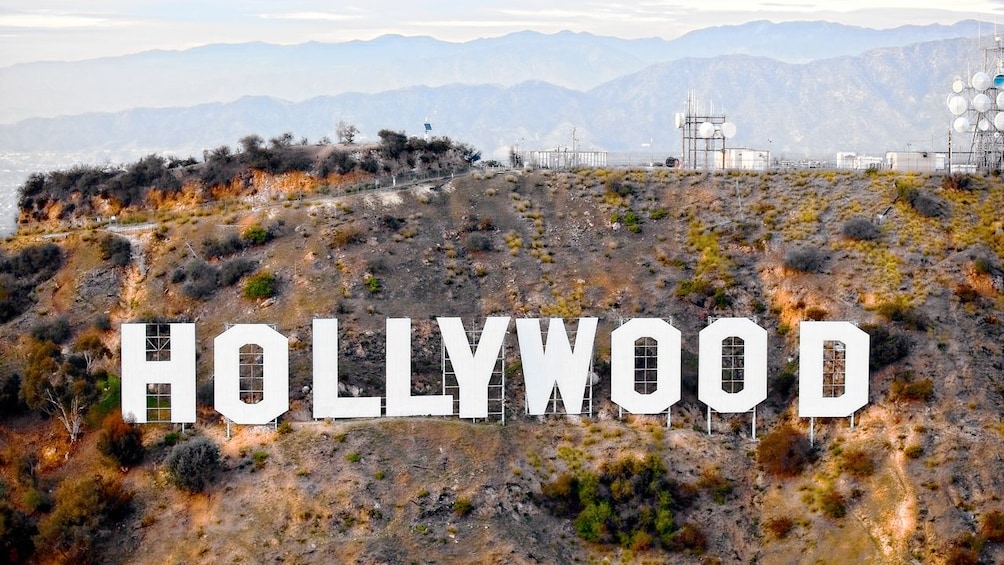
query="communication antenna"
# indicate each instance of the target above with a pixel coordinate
(977, 107)
(428, 128)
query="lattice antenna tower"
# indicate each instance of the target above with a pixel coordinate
(977, 103)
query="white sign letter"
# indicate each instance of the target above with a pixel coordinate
(556, 365)
(473, 370)
(400, 402)
(163, 356)
(744, 366)
(832, 377)
(252, 374)
(622, 368)
(327, 403)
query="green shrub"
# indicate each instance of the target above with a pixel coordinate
(628, 501)
(463, 506)
(260, 285)
(372, 284)
(255, 235)
(192, 465)
(914, 451)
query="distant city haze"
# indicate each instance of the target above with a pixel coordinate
(64, 30)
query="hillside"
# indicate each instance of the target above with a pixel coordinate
(915, 479)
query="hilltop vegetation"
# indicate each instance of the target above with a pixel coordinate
(913, 259)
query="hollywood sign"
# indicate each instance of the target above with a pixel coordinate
(829, 385)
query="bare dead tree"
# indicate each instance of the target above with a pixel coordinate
(72, 416)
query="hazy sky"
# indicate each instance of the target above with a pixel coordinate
(79, 29)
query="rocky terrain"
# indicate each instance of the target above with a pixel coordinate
(913, 259)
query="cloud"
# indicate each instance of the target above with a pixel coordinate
(50, 21)
(310, 16)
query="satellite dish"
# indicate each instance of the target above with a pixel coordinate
(679, 120)
(999, 81)
(958, 85)
(961, 124)
(957, 104)
(706, 130)
(981, 102)
(983, 124)
(1000, 100)
(999, 121)
(982, 81)
(728, 130)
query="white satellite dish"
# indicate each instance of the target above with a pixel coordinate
(983, 124)
(982, 81)
(679, 120)
(728, 130)
(981, 102)
(957, 104)
(958, 85)
(1000, 100)
(706, 130)
(999, 121)
(961, 124)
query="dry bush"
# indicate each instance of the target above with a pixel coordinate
(193, 465)
(992, 526)
(856, 462)
(805, 259)
(784, 451)
(779, 526)
(120, 440)
(860, 228)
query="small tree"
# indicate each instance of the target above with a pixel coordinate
(193, 464)
(346, 132)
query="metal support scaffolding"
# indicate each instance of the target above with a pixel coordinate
(496, 385)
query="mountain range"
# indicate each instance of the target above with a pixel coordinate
(798, 89)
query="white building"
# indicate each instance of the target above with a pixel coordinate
(850, 160)
(916, 161)
(745, 159)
